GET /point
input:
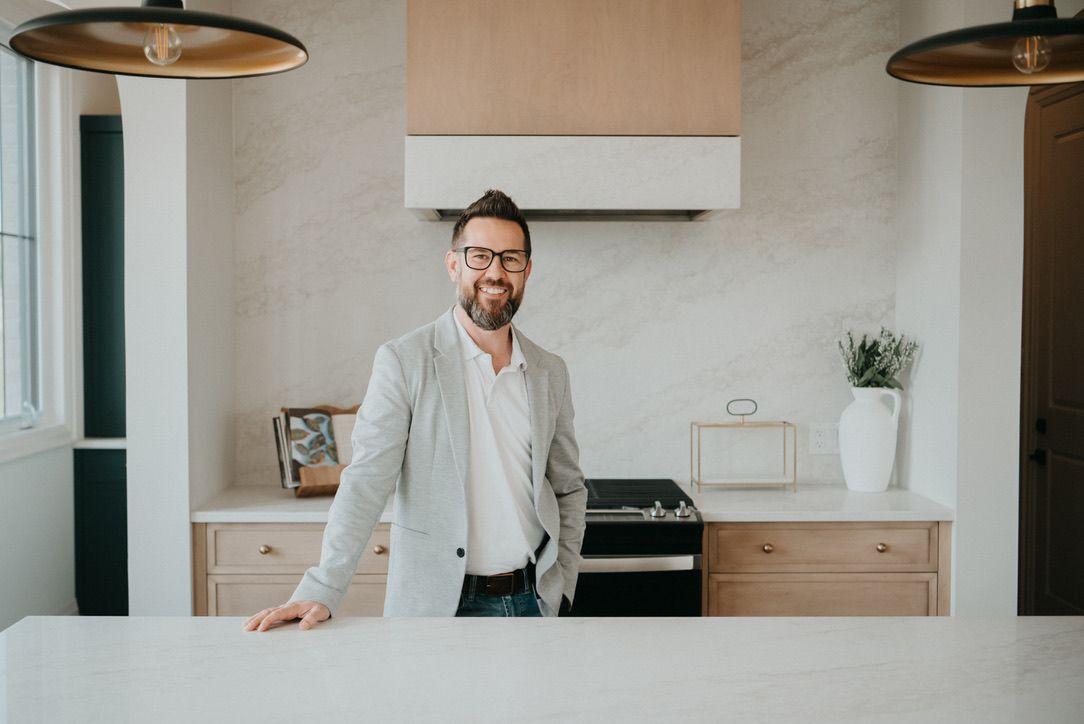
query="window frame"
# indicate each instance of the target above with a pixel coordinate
(29, 250)
(58, 234)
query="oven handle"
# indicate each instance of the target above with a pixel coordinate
(632, 564)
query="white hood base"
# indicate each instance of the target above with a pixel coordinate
(576, 177)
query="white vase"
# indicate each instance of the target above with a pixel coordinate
(867, 438)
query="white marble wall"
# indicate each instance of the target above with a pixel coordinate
(660, 322)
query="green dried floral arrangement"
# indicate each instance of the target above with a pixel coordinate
(876, 362)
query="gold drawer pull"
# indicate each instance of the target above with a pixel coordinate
(379, 549)
(265, 549)
(881, 547)
(768, 548)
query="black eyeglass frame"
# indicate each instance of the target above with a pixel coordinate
(493, 255)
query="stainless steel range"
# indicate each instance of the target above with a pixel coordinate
(642, 550)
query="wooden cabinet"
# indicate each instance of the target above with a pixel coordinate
(241, 568)
(898, 568)
(244, 595)
(827, 569)
(574, 67)
(822, 594)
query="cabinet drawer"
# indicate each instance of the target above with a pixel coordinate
(822, 547)
(246, 594)
(822, 594)
(282, 548)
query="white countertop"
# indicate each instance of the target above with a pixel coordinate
(872, 669)
(268, 504)
(812, 502)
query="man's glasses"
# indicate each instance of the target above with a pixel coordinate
(479, 258)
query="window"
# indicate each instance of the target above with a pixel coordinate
(19, 351)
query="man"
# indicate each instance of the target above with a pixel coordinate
(471, 423)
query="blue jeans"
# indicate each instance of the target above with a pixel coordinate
(523, 602)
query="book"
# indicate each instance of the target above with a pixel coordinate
(307, 449)
(282, 447)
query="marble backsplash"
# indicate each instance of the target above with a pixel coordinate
(660, 323)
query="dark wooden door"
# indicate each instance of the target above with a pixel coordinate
(1052, 376)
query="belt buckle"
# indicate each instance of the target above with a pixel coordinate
(490, 579)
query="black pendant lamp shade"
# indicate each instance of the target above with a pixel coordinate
(159, 39)
(1036, 48)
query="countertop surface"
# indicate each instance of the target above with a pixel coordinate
(811, 502)
(872, 669)
(268, 504)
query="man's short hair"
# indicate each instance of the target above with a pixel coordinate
(496, 204)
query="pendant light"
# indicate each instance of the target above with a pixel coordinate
(1035, 48)
(159, 39)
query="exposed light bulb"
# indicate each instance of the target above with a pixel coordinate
(1031, 54)
(162, 45)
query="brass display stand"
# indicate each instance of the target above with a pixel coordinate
(695, 449)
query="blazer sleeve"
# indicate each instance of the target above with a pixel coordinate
(379, 440)
(566, 478)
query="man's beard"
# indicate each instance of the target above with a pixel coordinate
(484, 318)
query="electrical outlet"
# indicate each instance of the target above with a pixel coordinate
(824, 438)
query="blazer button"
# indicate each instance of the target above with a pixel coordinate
(460, 552)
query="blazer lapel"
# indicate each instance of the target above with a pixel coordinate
(448, 362)
(542, 423)
(538, 400)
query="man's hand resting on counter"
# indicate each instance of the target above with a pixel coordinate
(310, 613)
(314, 612)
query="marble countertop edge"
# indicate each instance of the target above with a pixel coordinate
(812, 502)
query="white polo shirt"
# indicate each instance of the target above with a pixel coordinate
(503, 527)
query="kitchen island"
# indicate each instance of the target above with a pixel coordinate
(61, 669)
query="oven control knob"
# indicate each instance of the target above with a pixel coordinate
(658, 511)
(681, 511)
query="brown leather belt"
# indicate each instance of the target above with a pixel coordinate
(500, 584)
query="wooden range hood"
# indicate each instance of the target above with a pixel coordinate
(578, 109)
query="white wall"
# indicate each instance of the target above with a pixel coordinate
(15, 12)
(94, 94)
(991, 295)
(179, 347)
(959, 288)
(210, 288)
(156, 344)
(37, 536)
(928, 264)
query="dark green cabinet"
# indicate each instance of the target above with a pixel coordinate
(101, 532)
(101, 518)
(102, 157)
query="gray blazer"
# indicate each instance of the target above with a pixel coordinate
(411, 435)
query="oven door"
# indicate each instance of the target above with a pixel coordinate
(659, 585)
